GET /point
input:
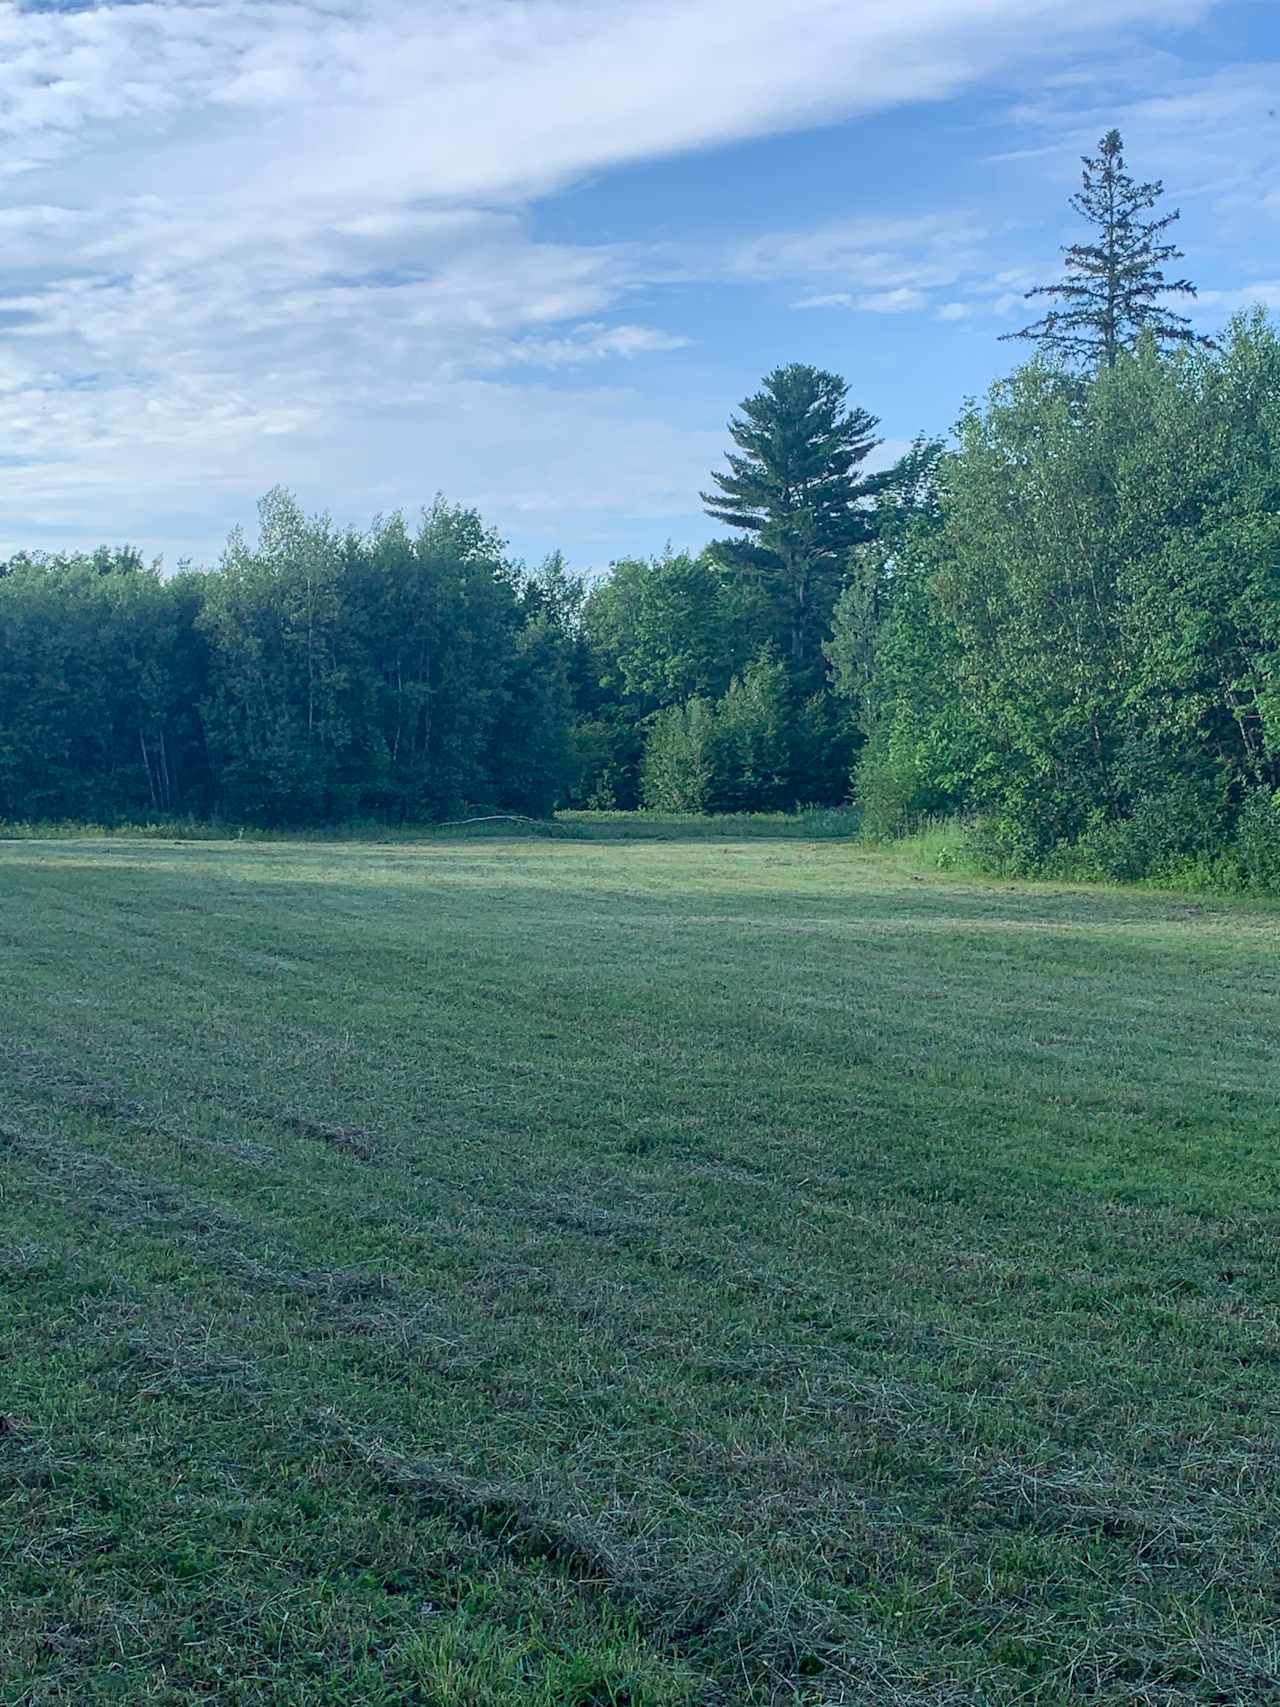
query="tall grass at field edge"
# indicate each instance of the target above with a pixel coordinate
(812, 824)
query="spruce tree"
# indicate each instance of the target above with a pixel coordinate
(1114, 286)
(794, 492)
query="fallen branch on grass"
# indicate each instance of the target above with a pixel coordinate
(495, 818)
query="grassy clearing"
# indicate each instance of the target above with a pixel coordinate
(565, 1271)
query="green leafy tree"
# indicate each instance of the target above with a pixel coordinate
(101, 678)
(315, 675)
(395, 673)
(554, 592)
(895, 660)
(795, 493)
(823, 738)
(433, 614)
(533, 760)
(666, 628)
(1198, 499)
(1084, 642)
(1114, 288)
(654, 632)
(1026, 575)
(751, 750)
(678, 772)
(907, 507)
(279, 720)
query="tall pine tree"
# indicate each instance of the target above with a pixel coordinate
(1114, 287)
(794, 492)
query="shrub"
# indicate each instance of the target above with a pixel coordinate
(1165, 830)
(752, 758)
(1257, 841)
(679, 767)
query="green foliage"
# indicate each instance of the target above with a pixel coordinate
(678, 773)
(1083, 643)
(101, 677)
(534, 760)
(281, 719)
(1026, 576)
(894, 656)
(822, 739)
(794, 493)
(751, 756)
(655, 632)
(1257, 841)
(666, 628)
(752, 750)
(608, 748)
(315, 677)
(1066, 628)
(1161, 834)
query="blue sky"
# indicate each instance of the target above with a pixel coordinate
(532, 252)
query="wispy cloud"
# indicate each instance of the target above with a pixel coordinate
(593, 341)
(927, 248)
(266, 239)
(1264, 293)
(1214, 133)
(903, 299)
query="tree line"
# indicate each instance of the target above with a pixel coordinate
(315, 676)
(1064, 624)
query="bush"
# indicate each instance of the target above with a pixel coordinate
(1166, 830)
(887, 788)
(679, 765)
(823, 741)
(1257, 841)
(752, 758)
(737, 754)
(1007, 847)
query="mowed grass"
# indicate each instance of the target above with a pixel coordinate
(644, 1273)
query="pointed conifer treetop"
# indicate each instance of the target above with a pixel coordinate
(1114, 288)
(796, 496)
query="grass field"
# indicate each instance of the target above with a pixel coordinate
(631, 1272)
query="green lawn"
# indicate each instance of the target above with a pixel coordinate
(562, 1271)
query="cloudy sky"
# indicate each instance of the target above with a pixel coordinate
(532, 252)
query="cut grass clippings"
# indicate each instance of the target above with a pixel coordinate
(641, 1271)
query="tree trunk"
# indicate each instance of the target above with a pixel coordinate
(146, 763)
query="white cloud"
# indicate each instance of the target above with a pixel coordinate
(1007, 301)
(265, 239)
(1265, 293)
(925, 250)
(477, 97)
(591, 342)
(955, 311)
(901, 300)
(1212, 135)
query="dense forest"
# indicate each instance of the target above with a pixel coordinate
(1062, 625)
